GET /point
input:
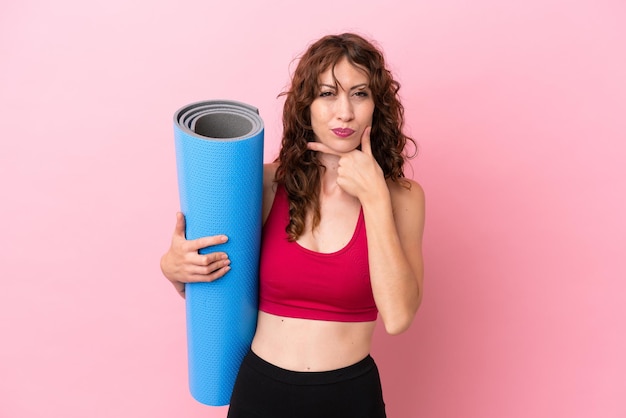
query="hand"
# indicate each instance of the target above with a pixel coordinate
(183, 264)
(358, 173)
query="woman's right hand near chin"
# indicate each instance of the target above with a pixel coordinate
(183, 264)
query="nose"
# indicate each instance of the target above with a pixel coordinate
(345, 109)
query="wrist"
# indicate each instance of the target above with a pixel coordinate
(375, 196)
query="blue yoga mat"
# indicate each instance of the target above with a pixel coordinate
(219, 158)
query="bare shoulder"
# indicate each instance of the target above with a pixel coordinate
(406, 195)
(269, 173)
(408, 204)
(269, 187)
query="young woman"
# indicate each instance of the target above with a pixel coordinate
(341, 242)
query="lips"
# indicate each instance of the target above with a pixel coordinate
(343, 132)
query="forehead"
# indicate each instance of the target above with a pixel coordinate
(344, 71)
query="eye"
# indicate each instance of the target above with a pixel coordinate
(326, 94)
(361, 93)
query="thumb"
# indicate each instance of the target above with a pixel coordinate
(366, 143)
(180, 225)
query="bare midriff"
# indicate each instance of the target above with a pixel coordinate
(310, 345)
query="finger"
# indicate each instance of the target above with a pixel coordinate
(208, 259)
(194, 259)
(318, 146)
(208, 269)
(204, 242)
(180, 225)
(366, 143)
(198, 278)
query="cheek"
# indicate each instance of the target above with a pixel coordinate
(315, 116)
(320, 115)
(315, 112)
(368, 114)
(369, 106)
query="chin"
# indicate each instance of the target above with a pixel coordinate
(344, 146)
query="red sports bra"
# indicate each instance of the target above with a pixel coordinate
(301, 283)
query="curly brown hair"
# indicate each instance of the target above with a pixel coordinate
(299, 170)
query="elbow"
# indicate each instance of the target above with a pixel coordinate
(397, 328)
(401, 321)
(400, 324)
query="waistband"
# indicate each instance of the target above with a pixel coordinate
(291, 377)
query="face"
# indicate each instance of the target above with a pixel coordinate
(340, 113)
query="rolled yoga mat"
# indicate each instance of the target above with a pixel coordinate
(219, 158)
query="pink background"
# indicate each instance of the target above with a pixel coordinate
(519, 111)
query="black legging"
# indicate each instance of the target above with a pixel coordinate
(263, 390)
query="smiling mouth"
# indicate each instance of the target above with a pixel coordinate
(343, 132)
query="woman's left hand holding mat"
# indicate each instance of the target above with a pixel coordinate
(183, 264)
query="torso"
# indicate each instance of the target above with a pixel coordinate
(305, 344)
(311, 345)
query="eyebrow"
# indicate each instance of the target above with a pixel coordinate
(358, 86)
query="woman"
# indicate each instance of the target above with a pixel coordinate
(341, 241)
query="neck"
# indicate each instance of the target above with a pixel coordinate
(329, 173)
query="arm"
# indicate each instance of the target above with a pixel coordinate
(395, 221)
(394, 218)
(183, 264)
